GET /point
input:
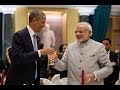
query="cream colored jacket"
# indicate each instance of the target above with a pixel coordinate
(90, 56)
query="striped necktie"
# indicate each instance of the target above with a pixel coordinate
(35, 49)
(35, 42)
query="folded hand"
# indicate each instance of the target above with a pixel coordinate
(89, 77)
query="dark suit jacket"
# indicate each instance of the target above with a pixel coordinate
(44, 66)
(118, 54)
(112, 78)
(23, 57)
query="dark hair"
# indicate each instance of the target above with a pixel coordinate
(35, 14)
(61, 47)
(107, 39)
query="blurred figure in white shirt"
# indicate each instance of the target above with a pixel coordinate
(47, 37)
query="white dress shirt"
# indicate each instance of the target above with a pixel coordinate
(31, 32)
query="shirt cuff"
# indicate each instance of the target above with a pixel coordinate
(95, 76)
(39, 53)
(55, 63)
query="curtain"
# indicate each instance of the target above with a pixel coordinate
(99, 21)
(8, 33)
(1, 16)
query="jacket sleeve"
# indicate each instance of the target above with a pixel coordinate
(105, 64)
(18, 52)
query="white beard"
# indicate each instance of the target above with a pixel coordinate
(80, 40)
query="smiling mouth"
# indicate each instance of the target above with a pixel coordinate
(79, 37)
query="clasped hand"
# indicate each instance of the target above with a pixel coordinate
(89, 77)
(53, 57)
(46, 51)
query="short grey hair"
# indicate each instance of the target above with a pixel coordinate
(87, 25)
(35, 14)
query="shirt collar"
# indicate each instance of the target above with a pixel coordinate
(30, 30)
(83, 44)
(108, 52)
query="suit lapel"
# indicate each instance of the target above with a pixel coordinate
(38, 42)
(28, 40)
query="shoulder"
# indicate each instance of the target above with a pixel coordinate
(51, 31)
(96, 43)
(21, 32)
(72, 44)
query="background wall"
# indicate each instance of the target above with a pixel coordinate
(21, 18)
(1, 19)
(114, 32)
(69, 18)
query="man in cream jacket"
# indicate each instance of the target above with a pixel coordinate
(85, 55)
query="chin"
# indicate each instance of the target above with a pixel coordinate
(80, 40)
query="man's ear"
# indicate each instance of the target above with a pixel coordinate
(34, 19)
(91, 33)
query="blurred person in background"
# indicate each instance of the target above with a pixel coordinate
(47, 37)
(112, 78)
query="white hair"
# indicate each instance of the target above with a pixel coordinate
(87, 25)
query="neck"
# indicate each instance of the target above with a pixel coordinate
(84, 41)
(33, 28)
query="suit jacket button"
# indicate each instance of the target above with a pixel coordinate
(79, 67)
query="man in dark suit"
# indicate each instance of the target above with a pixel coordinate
(112, 78)
(24, 57)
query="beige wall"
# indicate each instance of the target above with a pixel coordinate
(21, 20)
(72, 20)
(64, 28)
(114, 32)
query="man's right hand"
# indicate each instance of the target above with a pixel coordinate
(46, 51)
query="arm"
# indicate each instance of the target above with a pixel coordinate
(105, 64)
(19, 52)
(61, 65)
(105, 67)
